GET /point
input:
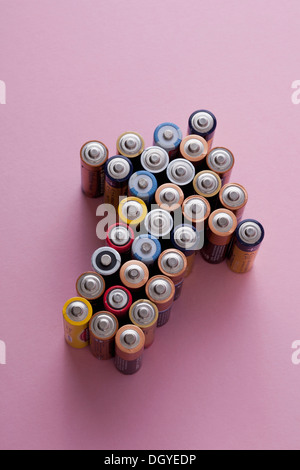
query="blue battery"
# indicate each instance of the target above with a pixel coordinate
(203, 123)
(146, 248)
(143, 184)
(168, 136)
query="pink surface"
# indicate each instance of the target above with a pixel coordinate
(219, 374)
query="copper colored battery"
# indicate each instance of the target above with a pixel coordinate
(160, 290)
(91, 286)
(93, 156)
(103, 327)
(196, 209)
(221, 161)
(173, 264)
(134, 275)
(187, 239)
(234, 197)
(169, 197)
(194, 148)
(144, 314)
(129, 349)
(221, 227)
(120, 237)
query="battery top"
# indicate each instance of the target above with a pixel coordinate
(169, 196)
(233, 195)
(167, 136)
(160, 288)
(117, 298)
(207, 183)
(187, 238)
(103, 325)
(196, 208)
(94, 153)
(130, 144)
(77, 311)
(90, 285)
(220, 160)
(143, 312)
(202, 122)
(172, 262)
(118, 168)
(146, 248)
(154, 159)
(250, 232)
(142, 183)
(158, 223)
(180, 171)
(134, 272)
(106, 261)
(194, 148)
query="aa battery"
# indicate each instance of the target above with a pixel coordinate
(208, 184)
(248, 237)
(196, 210)
(142, 184)
(203, 123)
(91, 286)
(131, 145)
(161, 291)
(134, 275)
(129, 349)
(132, 211)
(118, 170)
(120, 237)
(169, 197)
(189, 241)
(77, 313)
(234, 197)
(221, 227)
(181, 172)
(155, 160)
(194, 149)
(146, 249)
(159, 224)
(107, 261)
(168, 136)
(93, 155)
(173, 264)
(144, 314)
(221, 161)
(103, 327)
(118, 300)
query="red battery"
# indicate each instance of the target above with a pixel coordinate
(120, 237)
(118, 300)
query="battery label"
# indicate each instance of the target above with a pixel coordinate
(241, 261)
(214, 253)
(164, 316)
(128, 367)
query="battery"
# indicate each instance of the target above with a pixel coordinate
(221, 161)
(168, 136)
(159, 224)
(77, 313)
(194, 149)
(196, 210)
(103, 327)
(107, 261)
(146, 249)
(234, 197)
(248, 237)
(181, 172)
(203, 123)
(118, 300)
(221, 226)
(120, 237)
(129, 349)
(118, 170)
(91, 286)
(132, 211)
(169, 197)
(155, 160)
(189, 241)
(131, 145)
(161, 291)
(143, 184)
(144, 314)
(173, 264)
(208, 184)
(134, 274)
(93, 156)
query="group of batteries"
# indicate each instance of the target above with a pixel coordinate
(172, 200)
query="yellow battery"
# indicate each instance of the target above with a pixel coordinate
(77, 313)
(132, 211)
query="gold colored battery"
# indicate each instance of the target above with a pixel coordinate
(208, 184)
(194, 148)
(93, 156)
(132, 211)
(103, 327)
(131, 145)
(129, 349)
(77, 313)
(173, 264)
(234, 197)
(144, 314)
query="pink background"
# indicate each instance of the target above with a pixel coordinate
(219, 374)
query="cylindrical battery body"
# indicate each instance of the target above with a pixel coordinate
(118, 170)
(120, 237)
(168, 136)
(203, 122)
(144, 314)
(118, 300)
(160, 290)
(221, 226)
(173, 264)
(234, 197)
(93, 156)
(248, 237)
(91, 286)
(131, 145)
(155, 160)
(103, 327)
(189, 241)
(208, 184)
(221, 161)
(143, 184)
(194, 149)
(107, 262)
(77, 313)
(129, 349)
